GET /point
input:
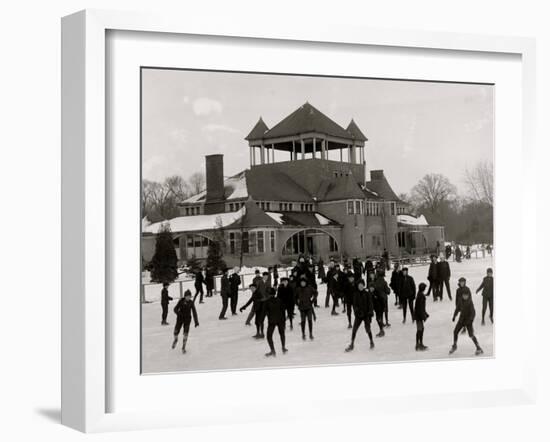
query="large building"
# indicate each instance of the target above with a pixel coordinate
(316, 200)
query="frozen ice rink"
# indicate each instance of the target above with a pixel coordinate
(222, 345)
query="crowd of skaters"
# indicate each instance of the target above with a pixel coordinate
(358, 288)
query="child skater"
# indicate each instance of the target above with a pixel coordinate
(420, 315)
(486, 288)
(467, 314)
(305, 295)
(183, 310)
(164, 301)
(286, 294)
(363, 310)
(275, 313)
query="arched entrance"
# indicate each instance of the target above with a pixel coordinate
(312, 242)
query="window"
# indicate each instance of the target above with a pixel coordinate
(290, 207)
(376, 241)
(332, 245)
(245, 243)
(358, 206)
(260, 242)
(231, 208)
(362, 241)
(272, 241)
(281, 206)
(232, 243)
(187, 211)
(350, 207)
(392, 209)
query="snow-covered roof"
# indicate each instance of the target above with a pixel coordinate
(412, 221)
(234, 188)
(278, 217)
(198, 222)
(322, 220)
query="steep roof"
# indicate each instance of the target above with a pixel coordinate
(267, 183)
(339, 188)
(379, 185)
(257, 131)
(355, 132)
(253, 217)
(306, 119)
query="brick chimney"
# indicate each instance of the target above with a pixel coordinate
(376, 175)
(214, 178)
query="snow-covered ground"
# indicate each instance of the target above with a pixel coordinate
(220, 345)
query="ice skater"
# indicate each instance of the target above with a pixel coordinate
(444, 275)
(184, 309)
(420, 316)
(286, 294)
(165, 299)
(254, 299)
(348, 292)
(433, 278)
(275, 313)
(381, 292)
(199, 281)
(407, 293)
(395, 282)
(304, 299)
(363, 310)
(234, 283)
(464, 307)
(486, 289)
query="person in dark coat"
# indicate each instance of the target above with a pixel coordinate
(225, 292)
(444, 275)
(464, 307)
(335, 286)
(275, 276)
(330, 283)
(286, 294)
(407, 293)
(275, 313)
(262, 289)
(458, 254)
(448, 251)
(369, 267)
(433, 278)
(321, 271)
(395, 282)
(363, 310)
(386, 258)
(312, 282)
(199, 281)
(348, 292)
(420, 316)
(358, 269)
(184, 309)
(486, 289)
(164, 301)
(304, 300)
(254, 300)
(381, 292)
(209, 281)
(234, 283)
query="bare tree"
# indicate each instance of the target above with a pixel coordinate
(432, 191)
(197, 183)
(177, 187)
(480, 182)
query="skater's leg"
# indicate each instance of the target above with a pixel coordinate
(310, 323)
(186, 327)
(491, 305)
(483, 309)
(270, 329)
(250, 315)
(164, 313)
(456, 331)
(356, 324)
(448, 287)
(369, 332)
(281, 328)
(348, 312)
(303, 322)
(411, 307)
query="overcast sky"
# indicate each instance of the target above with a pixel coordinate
(413, 128)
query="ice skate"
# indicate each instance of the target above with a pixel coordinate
(174, 343)
(381, 334)
(271, 353)
(183, 351)
(303, 336)
(387, 325)
(422, 347)
(350, 326)
(479, 351)
(483, 322)
(371, 345)
(453, 349)
(311, 337)
(335, 313)
(349, 348)
(285, 350)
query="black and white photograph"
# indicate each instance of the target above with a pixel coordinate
(292, 220)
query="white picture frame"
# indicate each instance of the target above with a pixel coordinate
(85, 199)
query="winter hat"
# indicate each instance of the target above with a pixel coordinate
(187, 293)
(461, 279)
(421, 287)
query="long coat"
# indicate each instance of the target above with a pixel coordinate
(274, 310)
(408, 287)
(443, 271)
(420, 313)
(363, 306)
(486, 287)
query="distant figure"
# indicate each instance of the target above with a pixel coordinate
(464, 307)
(225, 294)
(349, 291)
(275, 276)
(438, 248)
(321, 271)
(444, 274)
(286, 294)
(433, 278)
(199, 281)
(304, 299)
(490, 249)
(209, 281)
(448, 251)
(407, 293)
(386, 257)
(381, 292)
(468, 252)
(395, 282)
(486, 289)
(458, 254)
(420, 316)
(184, 309)
(164, 301)
(234, 283)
